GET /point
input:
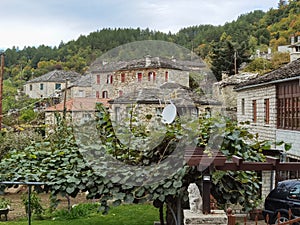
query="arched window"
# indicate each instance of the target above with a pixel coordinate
(120, 93)
(97, 94)
(109, 79)
(166, 76)
(151, 76)
(104, 94)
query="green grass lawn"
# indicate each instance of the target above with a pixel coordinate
(144, 214)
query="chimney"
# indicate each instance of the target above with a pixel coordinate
(292, 40)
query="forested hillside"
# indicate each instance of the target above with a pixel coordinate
(217, 45)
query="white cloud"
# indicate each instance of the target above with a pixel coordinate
(36, 22)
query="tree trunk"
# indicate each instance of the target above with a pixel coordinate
(161, 215)
(174, 212)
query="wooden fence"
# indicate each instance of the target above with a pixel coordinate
(232, 220)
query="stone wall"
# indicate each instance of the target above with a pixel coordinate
(48, 89)
(266, 131)
(131, 83)
(216, 217)
(267, 184)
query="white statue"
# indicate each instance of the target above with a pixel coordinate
(195, 198)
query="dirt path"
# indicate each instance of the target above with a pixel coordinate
(17, 208)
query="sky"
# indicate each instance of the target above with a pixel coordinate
(50, 22)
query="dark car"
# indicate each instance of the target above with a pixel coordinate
(285, 196)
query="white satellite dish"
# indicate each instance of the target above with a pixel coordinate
(169, 114)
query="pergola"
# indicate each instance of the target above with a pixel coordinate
(205, 163)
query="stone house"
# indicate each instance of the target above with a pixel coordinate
(112, 80)
(77, 110)
(50, 84)
(271, 105)
(81, 88)
(149, 84)
(224, 92)
(295, 48)
(151, 102)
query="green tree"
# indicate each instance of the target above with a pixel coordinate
(227, 56)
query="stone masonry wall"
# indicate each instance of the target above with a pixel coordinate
(266, 131)
(131, 82)
(48, 89)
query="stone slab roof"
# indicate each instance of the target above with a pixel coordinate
(84, 81)
(59, 76)
(236, 79)
(178, 94)
(288, 71)
(146, 62)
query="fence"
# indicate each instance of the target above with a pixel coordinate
(289, 221)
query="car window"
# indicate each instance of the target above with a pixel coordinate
(295, 192)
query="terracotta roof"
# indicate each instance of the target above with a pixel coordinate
(289, 71)
(57, 76)
(79, 104)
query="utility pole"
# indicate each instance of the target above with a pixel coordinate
(1, 87)
(65, 100)
(235, 66)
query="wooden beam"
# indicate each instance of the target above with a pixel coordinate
(275, 161)
(237, 160)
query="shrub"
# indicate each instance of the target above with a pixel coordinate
(35, 204)
(77, 211)
(4, 203)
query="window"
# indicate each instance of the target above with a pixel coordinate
(30, 87)
(81, 93)
(104, 94)
(97, 94)
(243, 106)
(41, 86)
(254, 111)
(267, 110)
(117, 114)
(57, 86)
(109, 79)
(166, 76)
(151, 76)
(139, 77)
(120, 93)
(288, 105)
(295, 192)
(122, 77)
(98, 79)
